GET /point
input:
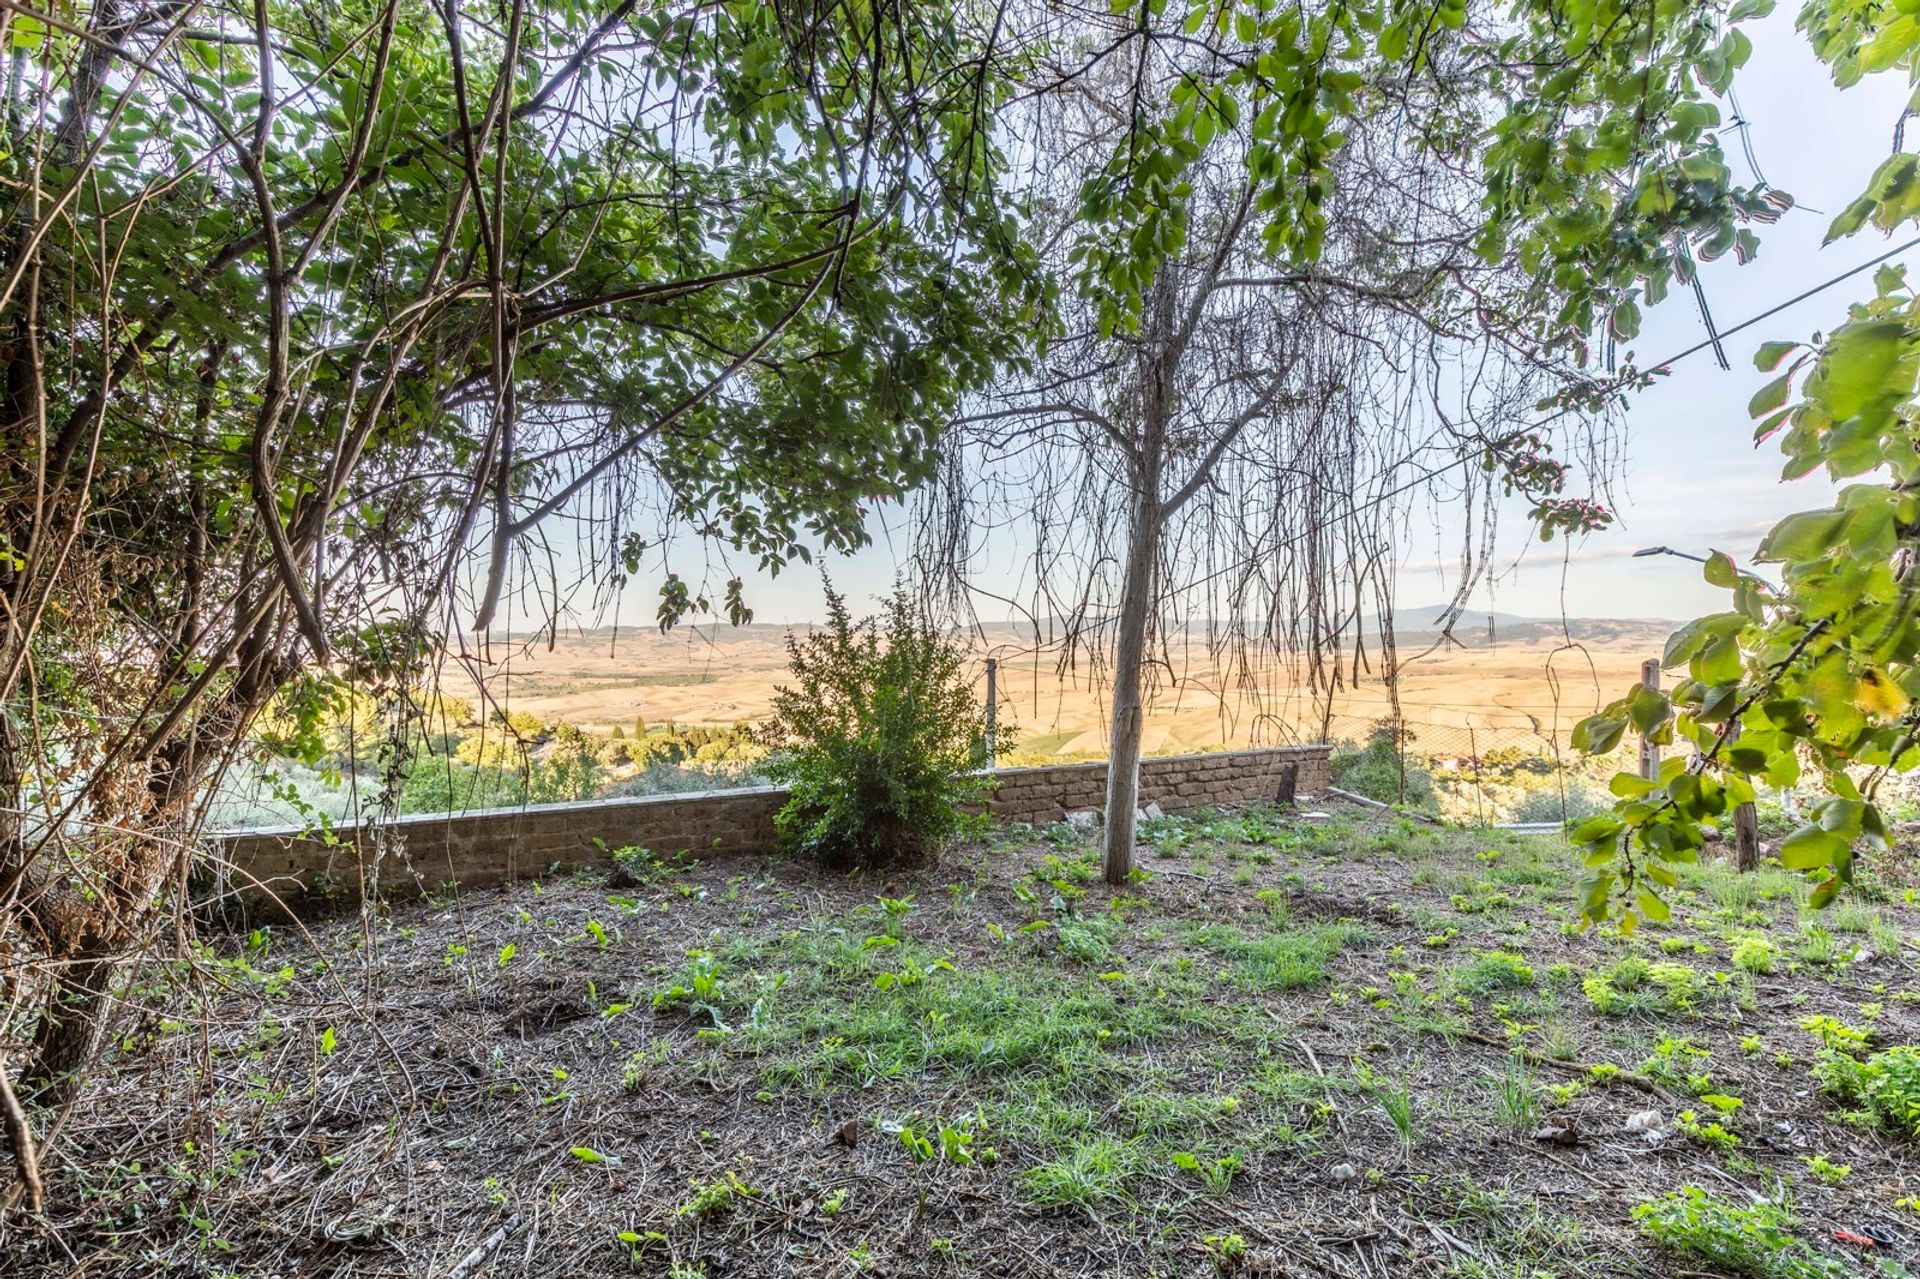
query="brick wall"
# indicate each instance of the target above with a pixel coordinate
(490, 847)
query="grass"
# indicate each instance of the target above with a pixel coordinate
(1284, 959)
(1141, 1070)
(1516, 1096)
(1087, 1175)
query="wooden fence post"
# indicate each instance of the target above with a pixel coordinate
(1650, 753)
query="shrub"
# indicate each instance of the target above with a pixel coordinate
(1375, 770)
(876, 738)
(1548, 805)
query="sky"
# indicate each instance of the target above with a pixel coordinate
(1692, 478)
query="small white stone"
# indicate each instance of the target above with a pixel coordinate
(1342, 1172)
(1644, 1121)
(1083, 819)
(1153, 812)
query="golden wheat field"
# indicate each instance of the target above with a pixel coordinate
(1527, 688)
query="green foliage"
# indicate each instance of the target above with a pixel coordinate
(1755, 954)
(1814, 668)
(1491, 971)
(718, 1197)
(1710, 1133)
(1516, 1096)
(1380, 769)
(1090, 1173)
(1550, 804)
(1885, 1085)
(1755, 1241)
(1287, 959)
(877, 738)
(1637, 985)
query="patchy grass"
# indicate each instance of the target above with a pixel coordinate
(1325, 1047)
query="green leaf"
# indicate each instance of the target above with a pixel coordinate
(1600, 826)
(1720, 663)
(1720, 571)
(1768, 357)
(1697, 634)
(1771, 396)
(1808, 535)
(1866, 363)
(1810, 848)
(1598, 734)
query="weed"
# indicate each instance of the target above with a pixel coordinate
(1755, 1241)
(1755, 953)
(1825, 1169)
(1228, 1252)
(1216, 1175)
(713, 1198)
(1516, 1100)
(1088, 1174)
(1493, 970)
(1709, 1134)
(1886, 1085)
(1396, 1103)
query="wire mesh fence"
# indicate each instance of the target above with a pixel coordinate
(1470, 764)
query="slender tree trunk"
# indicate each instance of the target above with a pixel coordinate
(1129, 655)
(1159, 357)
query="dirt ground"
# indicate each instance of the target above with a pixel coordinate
(1302, 1045)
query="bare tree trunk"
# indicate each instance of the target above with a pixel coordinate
(1129, 655)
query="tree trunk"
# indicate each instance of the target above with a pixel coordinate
(1129, 655)
(72, 1028)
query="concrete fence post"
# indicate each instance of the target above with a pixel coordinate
(993, 710)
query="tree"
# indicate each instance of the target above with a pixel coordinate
(1403, 222)
(304, 305)
(1811, 670)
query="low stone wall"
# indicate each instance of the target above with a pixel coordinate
(1051, 791)
(469, 850)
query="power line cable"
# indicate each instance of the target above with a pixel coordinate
(1667, 363)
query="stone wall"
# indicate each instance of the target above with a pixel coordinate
(469, 850)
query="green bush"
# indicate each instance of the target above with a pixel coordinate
(1375, 770)
(1546, 805)
(877, 738)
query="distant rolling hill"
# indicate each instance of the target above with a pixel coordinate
(1526, 689)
